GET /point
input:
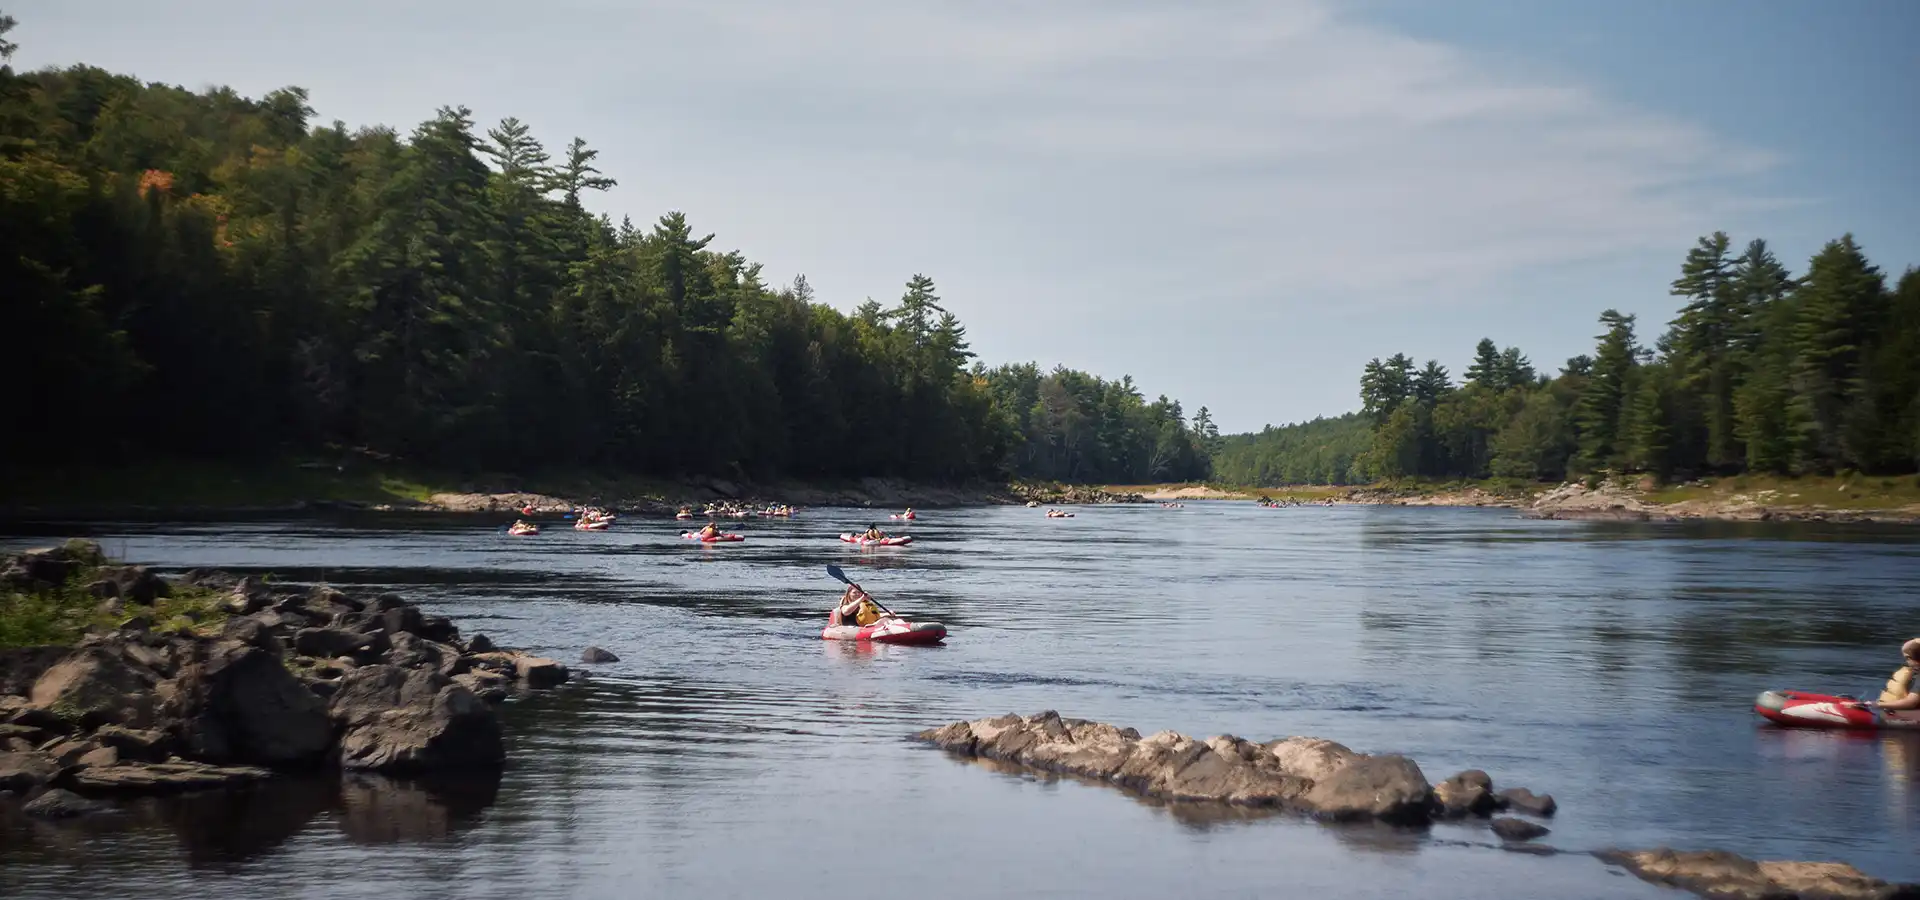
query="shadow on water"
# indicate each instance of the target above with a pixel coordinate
(221, 830)
(1202, 817)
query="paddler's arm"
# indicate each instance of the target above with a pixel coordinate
(1910, 701)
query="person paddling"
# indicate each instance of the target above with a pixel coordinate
(856, 607)
(711, 529)
(1903, 689)
(875, 534)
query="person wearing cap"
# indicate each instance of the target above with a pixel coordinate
(1902, 692)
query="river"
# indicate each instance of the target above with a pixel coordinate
(731, 753)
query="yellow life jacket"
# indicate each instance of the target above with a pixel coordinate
(1899, 686)
(867, 615)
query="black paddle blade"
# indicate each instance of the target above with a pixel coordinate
(838, 575)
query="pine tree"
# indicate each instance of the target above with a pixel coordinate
(1604, 398)
(1841, 304)
(1486, 370)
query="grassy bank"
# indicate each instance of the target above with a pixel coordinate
(88, 598)
(1861, 492)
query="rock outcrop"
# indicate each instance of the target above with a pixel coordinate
(1303, 774)
(291, 678)
(1728, 876)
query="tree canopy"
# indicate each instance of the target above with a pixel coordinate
(1760, 371)
(208, 275)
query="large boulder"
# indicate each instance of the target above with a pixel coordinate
(95, 686)
(1469, 793)
(24, 771)
(1390, 788)
(50, 567)
(1523, 800)
(330, 642)
(63, 804)
(134, 584)
(396, 719)
(240, 704)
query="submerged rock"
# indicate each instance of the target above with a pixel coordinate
(597, 655)
(1526, 801)
(1518, 829)
(1728, 876)
(1311, 775)
(63, 804)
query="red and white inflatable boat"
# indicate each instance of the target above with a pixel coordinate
(594, 525)
(898, 540)
(1799, 709)
(721, 538)
(888, 631)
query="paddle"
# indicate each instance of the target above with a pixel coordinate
(842, 576)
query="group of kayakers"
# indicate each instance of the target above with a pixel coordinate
(737, 511)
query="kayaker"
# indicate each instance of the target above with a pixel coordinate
(855, 608)
(875, 534)
(1902, 691)
(711, 529)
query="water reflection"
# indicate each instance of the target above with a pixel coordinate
(1611, 664)
(219, 830)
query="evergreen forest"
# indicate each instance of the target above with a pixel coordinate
(207, 276)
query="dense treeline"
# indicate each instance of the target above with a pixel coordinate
(207, 275)
(1761, 371)
(1322, 451)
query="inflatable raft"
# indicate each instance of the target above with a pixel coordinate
(596, 525)
(906, 518)
(898, 540)
(1799, 709)
(721, 538)
(517, 530)
(888, 631)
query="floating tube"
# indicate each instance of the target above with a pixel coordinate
(596, 525)
(898, 540)
(1799, 709)
(721, 538)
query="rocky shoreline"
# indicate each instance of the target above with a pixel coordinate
(691, 492)
(1331, 782)
(1614, 502)
(274, 679)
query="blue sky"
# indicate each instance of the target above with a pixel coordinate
(1238, 203)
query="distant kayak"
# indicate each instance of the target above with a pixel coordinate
(1799, 709)
(888, 631)
(519, 530)
(596, 525)
(909, 517)
(683, 515)
(721, 538)
(1059, 515)
(899, 540)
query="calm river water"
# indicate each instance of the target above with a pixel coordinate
(731, 753)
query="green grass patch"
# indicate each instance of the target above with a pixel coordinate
(62, 615)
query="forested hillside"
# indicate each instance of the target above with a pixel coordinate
(205, 275)
(1761, 371)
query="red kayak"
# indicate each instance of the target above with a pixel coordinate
(888, 631)
(721, 538)
(1799, 709)
(898, 540)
